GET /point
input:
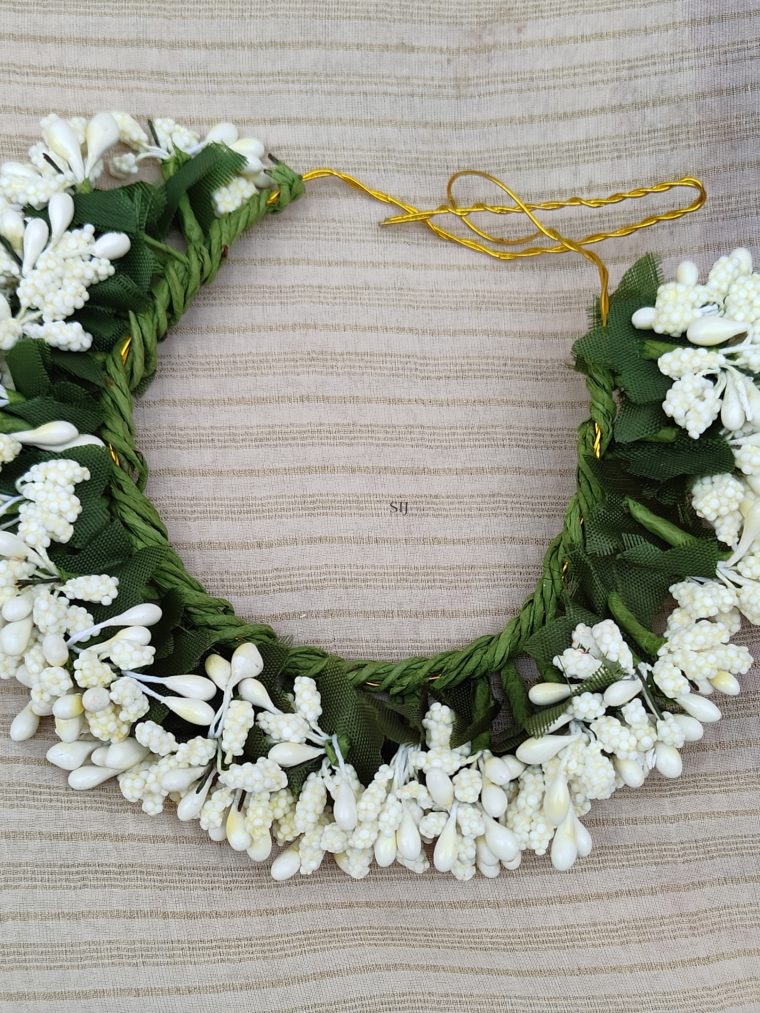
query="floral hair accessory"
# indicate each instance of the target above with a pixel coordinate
(460, 760)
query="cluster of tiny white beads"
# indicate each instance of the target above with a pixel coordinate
(693, 402)
(9, 448)
(262, 776)
(684, 361)
(155, 738)
(33, 189)
(238, 722)
(57, 284)
(232, 196)
(96, 587)
(677, 305)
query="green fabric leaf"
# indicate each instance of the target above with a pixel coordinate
(397, 722)
(607, 524)
(107, 210)
(107, 550)
(213, 167)
(162, 633)
(696, 558)
(638, 421)
(596, 576)
(105, 327)
(188, 649)
(551, 639)
(84, 367)
(119, 292)
(346, 711)
(134, 577)
(640, 282)
(642, 592)
(709, 455)
(39, 410)
(516, 693)
(139, 264)
(29, 362)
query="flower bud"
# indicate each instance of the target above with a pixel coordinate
(218, 670)
(70, 755)
(287, 864)
(621, 692)
(24, 725)
(102, 133)
(260, 848)
(95, 699)
(180, 778)
(62, 140)
(196, 712)
(255, 692)
(539, 750)
(447, 845)
(237, 835)
(291, 754)
(546, 693)
(69, 729)
(667, 760)
(222, 133)
(344, 808)
(14, 638)
(564, 849)
(16, 608)
(246, 663)
(502, 842)
(193, 687)
(408, 838)
(48, 436)
(60, 213)
(68, 706)
(88, 776)
(111, 245)
(440, 786)
(698, 707)
(385, 850)
(35, 237)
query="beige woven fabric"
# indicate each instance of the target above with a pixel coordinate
(334, 368)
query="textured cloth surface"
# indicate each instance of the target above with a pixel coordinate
(334, 368)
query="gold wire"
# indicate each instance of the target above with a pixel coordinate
(562, 244)
(124, 350)
(597, 441)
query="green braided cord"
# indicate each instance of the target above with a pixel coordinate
(171, 296)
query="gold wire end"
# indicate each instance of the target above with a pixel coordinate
(124, 350)
(597, 441)
(114, 456)
(273, 197)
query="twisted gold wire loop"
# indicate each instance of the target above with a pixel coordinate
(562, 244)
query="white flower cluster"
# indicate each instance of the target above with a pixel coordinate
(171, 136)
(50, 280)
(714, 373)
(92, 690)
(436, 804)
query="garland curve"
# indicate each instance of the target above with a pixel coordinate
(459, 759)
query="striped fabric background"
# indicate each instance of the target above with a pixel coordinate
(334, 368)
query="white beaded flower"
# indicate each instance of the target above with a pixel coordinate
(238, 722)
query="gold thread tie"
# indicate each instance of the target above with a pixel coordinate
(560, 243)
